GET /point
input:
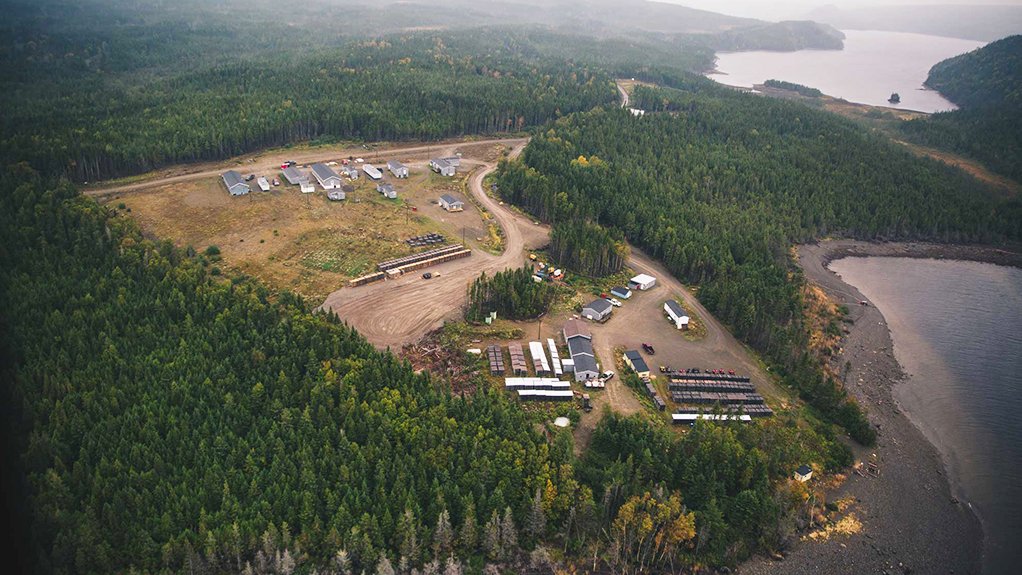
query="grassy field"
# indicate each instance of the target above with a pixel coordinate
(304, 242)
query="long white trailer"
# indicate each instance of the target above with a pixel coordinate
(539, 362)
(693, 417)
(545, 395)
(535, 383)
(555, 360)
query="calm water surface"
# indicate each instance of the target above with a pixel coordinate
(872, 65)
(957, 330)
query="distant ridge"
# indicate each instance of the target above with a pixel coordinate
(985, 23)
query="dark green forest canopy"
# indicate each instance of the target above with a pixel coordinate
(721, 184)
(987, 84)
(172, 420)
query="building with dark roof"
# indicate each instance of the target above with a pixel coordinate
(634, 360)
(326, 176)
(597, 310)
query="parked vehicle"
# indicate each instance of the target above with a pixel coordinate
(614, 302)
(276, 182)
(427, 276)
(730, 372)
(249, 177)
(607, 375)
(648, 349)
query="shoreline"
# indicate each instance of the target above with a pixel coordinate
(912, 520)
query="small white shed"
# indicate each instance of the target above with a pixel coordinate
(642, 282)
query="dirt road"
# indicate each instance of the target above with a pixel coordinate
(271, 161)
(395, 312)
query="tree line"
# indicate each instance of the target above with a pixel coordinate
(513, 294)
(588, 248)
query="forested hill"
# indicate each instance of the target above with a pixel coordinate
(167, 420)
(987, 84)
(718, 185)
(988, 76)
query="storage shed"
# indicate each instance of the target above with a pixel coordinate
(597, 310)
(371, 171)
(398, 169)
(236, 185)
(676, 313)
(336, 195)
(634, 360)
(387, 190)
(803, 473)
(326, 176)
(621, 292)
(350, 171)
(306, 185)
(451, 204)
(642, 282)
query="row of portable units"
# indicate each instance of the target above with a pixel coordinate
(691, 418)
(375, 276)
(518, 364)
(755, 410)
(394, 272)
(702, 397)
(702, 376)
(725, 386)
(496, 359)
(550, 383)
(405, 260)
(657, 400)
(545, 395)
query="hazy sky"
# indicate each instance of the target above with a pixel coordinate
(792, 9)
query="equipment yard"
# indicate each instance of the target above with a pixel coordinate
(351, 255)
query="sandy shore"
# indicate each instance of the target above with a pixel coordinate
(911, 522)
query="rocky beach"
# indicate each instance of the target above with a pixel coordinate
(912, 521)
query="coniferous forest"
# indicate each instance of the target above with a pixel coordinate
(511, 293)
(988, 124)
(162, 418)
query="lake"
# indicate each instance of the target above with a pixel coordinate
(957, 331)
(867, 71)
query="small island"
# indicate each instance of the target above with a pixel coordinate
(895, 98)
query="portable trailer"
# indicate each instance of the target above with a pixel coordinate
(545, 395)
(539, 362)
(555, 359)
(691, 418)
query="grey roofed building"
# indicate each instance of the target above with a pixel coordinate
(576, 328)
(621, 292)
(326, 176)
(451, 204)
(387, 190)
(675, 307)
(398, 169)
(443, 166)
(580, 346)
(636, 362)
(293, 176)
(585, 368)
(597, 310)
(236, 185)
